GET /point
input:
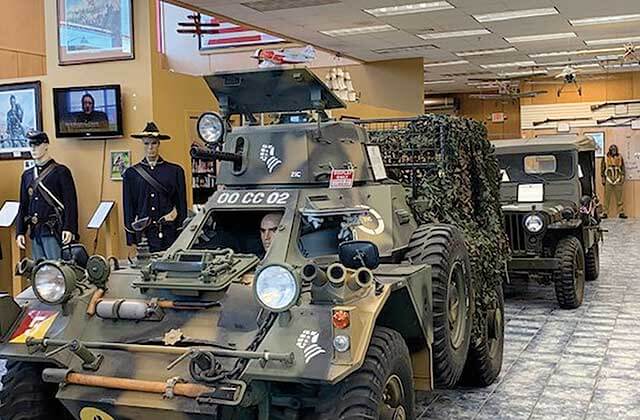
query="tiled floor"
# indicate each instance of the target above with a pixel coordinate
(560, 364)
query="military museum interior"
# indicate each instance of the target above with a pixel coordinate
(319, 209)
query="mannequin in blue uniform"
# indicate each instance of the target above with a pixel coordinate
(48, 203)
(154, 190)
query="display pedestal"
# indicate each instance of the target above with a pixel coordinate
(8, 214)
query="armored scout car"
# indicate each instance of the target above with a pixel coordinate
(551, 212)
(339, 318)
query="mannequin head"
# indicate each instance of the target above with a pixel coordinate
(12, 101)
(268, 227)
(40, 152)
(151, 148)
(613, 150)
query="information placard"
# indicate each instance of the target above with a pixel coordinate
(100, 215)
(8, 213)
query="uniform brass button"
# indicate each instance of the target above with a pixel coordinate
(153, 208)
(152, 195)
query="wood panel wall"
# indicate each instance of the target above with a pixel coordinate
(22, 39)
(481, 110)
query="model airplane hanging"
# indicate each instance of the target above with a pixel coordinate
(508, 91)
(272, 58)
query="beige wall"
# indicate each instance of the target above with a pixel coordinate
(22, 47)
(395, 87)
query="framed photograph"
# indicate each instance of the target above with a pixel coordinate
(91, 31)
(20, 112)
(599, 139)
(120, 161)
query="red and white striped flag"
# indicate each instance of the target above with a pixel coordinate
(232, 35)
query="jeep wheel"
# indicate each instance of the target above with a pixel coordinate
(25, 396)
(381, 389)
(592, 262)
(443, 248)
(484, 361)
(569, 279)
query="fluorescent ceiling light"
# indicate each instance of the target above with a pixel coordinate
(485, 52)
(577, 66)
(406, 9)
(542, 37)
(523, 73)
(504, 65)
(454, 34)
(411, 48)
(438, 82)
(575, 52)
(446, 63)
(596, 42)
(358, 30)
(622, 66)
(515, 14)
(604, 20)
(609, 57)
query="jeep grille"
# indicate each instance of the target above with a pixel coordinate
(514, 224)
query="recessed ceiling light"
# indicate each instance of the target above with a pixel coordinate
(454, 34)
(515, 14)
(542, 37)
(575, 52)
(605, 20)
(576, 66)
(438, 82)
(622, 66)
(358, 30)
(411, 48)
(523, 73)
(504, 65)
(446, 63)
(608, 41)
(485, 52)
(406, 9)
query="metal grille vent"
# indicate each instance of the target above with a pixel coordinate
(514, 224)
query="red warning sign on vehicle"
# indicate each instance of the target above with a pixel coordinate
(341, 178)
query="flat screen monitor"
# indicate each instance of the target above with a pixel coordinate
(88, 111)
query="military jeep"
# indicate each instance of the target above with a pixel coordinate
(551, 212)
(351, 309)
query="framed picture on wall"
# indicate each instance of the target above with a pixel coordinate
(599, 139)
(20, 112)
(120, 161)
(91, 31)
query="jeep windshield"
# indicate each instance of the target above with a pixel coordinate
(536, 167)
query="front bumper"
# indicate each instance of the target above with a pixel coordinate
(533, 264)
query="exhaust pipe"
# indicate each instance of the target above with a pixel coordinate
(311, 273)
(337, 274)
(359, 279)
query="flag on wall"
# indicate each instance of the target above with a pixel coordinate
(231, 35)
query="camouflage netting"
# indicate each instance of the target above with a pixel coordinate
(457, 182)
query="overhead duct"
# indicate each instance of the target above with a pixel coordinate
(441, 103)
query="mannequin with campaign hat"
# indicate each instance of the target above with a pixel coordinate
(154, 195)
(48, 203)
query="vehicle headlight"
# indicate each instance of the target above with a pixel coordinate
(276, 288)
(210, 128)
(53, 283)
(533, 223)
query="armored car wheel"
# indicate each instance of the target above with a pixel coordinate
(443, 248)
(484, 361)
(381, 389)
(592, 262)
(570, 278)
(24, 396)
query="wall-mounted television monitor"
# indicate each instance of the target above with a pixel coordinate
(88, 111)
